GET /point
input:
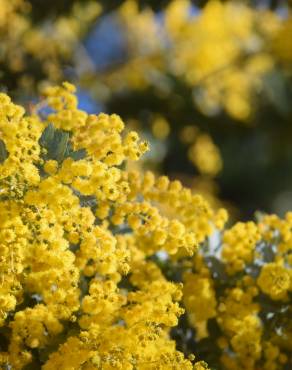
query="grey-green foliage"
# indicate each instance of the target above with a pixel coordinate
(57, 144)
(3, 151)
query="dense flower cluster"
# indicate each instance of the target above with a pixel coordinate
(245, 293)
(23, 57)
(222, 52)
(78, 287)
(100, 263)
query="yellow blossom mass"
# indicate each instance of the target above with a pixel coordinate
(103, 267)
(74, 225)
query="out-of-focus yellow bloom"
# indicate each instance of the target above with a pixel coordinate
(160, 128)
(22, 41)
(282, 42)
(205, 155)
(188, 134)
(223, 52)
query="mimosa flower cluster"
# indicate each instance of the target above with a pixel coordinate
(238, 299)
(79, 237)
(24, 58)
(102, 267)
(223, 52)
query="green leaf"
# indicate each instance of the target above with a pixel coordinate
(3, 151)
(58, 145)
(62, 139)
(276, 89)
(47, 135)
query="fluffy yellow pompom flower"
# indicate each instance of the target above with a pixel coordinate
(239, 245)
(275, 280)
(77, 233)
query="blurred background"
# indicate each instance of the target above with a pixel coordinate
(208, 83)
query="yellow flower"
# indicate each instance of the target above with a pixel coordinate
(275, 281)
